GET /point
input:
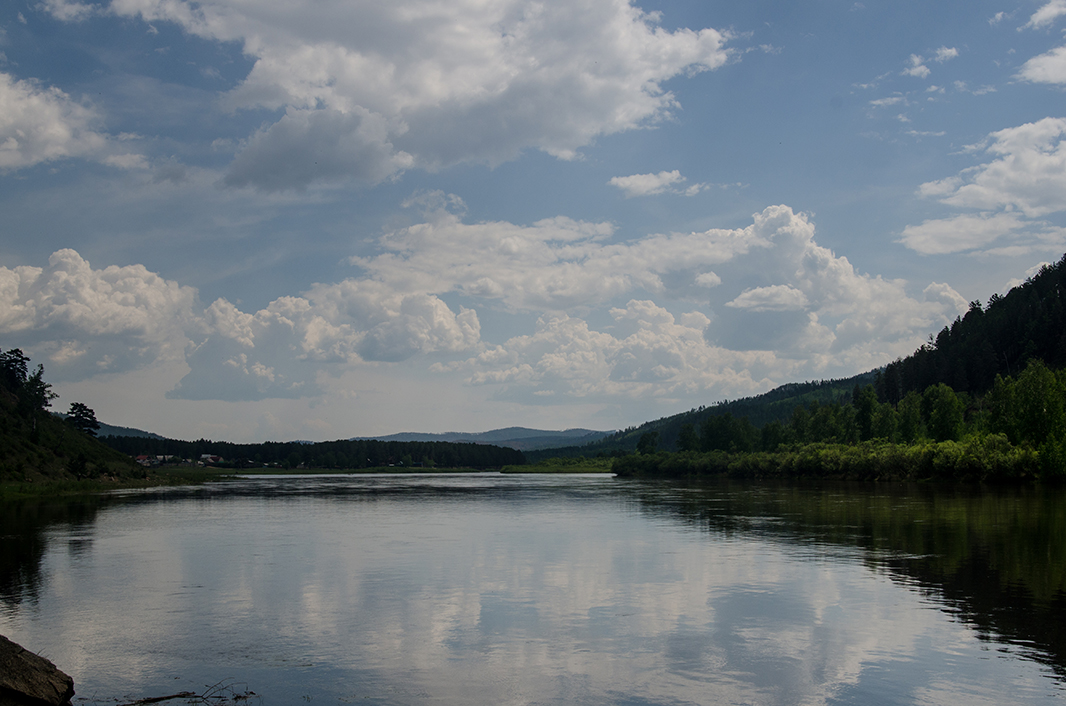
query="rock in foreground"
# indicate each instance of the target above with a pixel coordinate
(27, 679)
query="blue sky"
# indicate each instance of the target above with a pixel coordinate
(317, 220)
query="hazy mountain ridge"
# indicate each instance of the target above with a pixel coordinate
(521, 438)
(776, 404)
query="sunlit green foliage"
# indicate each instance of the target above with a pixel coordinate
(930, 436)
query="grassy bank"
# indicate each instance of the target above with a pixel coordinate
(990, 458)
(564, 465)
(61, 487)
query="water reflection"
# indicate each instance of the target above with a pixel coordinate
(995, 557)
(541, 589)
(23, 527)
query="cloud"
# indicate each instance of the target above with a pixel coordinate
(1029, 274)
(680, 315)
(960, 233)
(68, 11)
(1025, 181)
(285, 349)
(945, 53)
(317, 145)
(647, 184)
(1046, 14)
(777, 297)
(1028, 172)
(43, 124)
(87, 321)
(708, 279)
(555, 264)
(371, 89)
(1045, 68)
(565, 358)
(816, 315)
(917, 67)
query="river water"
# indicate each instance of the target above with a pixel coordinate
(544, 589)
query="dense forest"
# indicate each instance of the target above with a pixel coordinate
(775, 405)
(985, 399)
(341, 454)
(1017, 431)
(1028, 323)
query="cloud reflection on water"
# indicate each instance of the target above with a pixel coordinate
(492, 591)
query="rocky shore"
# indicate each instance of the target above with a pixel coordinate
(27, 679)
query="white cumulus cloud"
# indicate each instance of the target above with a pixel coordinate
(916, 67)
(777, 297)
(945, 53)
(87, 321)
(44, 124)
(647, 184)
(1047, 14)
(372, 89)
(1028, 172)
(960, 233)
(1045, 68)
(679, 316)
(1003, 198)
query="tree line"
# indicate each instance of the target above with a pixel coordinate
(1015, 430)
(1028, 323)
(341, 454)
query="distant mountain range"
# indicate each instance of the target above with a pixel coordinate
(520, 438)
(777, 404)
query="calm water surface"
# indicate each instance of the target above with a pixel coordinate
(533, 589)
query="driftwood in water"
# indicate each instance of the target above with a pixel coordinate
(27, 679)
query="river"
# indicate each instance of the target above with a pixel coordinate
(544, 589)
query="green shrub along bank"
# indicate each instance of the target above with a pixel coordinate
(975, 459)
(1017, 431)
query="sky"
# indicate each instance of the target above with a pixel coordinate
(322, 219)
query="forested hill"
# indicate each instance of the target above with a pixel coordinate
(1027, 323)
(775, 405)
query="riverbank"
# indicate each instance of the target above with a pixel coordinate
(29, 679)
(989, 458)
(42, 488)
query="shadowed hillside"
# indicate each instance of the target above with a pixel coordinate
(35, 445)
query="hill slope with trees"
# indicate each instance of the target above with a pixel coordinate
(999, 340)
(1028, 323)
(36, 445)
(1006, 419)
